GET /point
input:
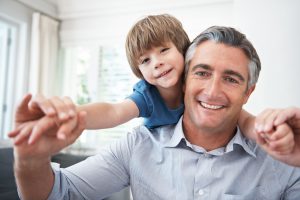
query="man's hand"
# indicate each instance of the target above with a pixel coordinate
(47, 144)
(286, 121)
(41, 108)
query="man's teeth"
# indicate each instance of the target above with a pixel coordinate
(213, 107)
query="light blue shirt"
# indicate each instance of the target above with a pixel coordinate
(162, 164)
(152, 106)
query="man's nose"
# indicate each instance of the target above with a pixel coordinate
(213, 87)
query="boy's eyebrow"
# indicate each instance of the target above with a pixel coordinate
(236, 74)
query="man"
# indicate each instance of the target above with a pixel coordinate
(203, 156)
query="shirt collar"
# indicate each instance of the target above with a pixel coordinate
(177, 135)
(239, 139)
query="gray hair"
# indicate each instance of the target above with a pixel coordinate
(231, 37)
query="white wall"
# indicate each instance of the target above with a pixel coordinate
(272, 26)
(107, 22)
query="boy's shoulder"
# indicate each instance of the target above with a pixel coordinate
(142, 85)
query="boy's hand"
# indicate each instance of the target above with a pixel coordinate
(63, 107)
(271, 118)
(279, 141)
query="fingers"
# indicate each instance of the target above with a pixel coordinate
(79, 128)
(66, 128)
(64, 108)
(24, 102)
(279, 142)
(265, 121)
(39, 102)
(288, 114)
(40, 128)
(47, 123)
(23, 134)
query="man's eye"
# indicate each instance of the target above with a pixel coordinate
(231, 80)
(202, 73)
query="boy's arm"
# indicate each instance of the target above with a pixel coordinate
(246, 123)
(108, 115)
(99, 115)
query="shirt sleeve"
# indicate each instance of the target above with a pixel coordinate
(142, 97)
(98, 176)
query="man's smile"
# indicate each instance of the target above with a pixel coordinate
(210, 106)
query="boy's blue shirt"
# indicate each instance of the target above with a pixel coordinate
(152, 107)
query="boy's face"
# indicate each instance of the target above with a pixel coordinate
(162, 66)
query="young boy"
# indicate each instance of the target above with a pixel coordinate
(155, 48)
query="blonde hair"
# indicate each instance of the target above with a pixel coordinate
(151, 31)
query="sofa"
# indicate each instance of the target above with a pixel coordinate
(8, 189)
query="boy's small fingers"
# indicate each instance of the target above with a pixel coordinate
(260, 120)
(70, 105)
(285, 115)
(81, 124)
(41, 103)
(61, 108)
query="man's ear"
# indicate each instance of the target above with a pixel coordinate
(248, 93)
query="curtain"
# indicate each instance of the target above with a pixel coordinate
(44, 55)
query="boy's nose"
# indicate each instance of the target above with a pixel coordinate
(158, 64)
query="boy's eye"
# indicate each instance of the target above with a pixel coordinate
(145, 60)
(164, 49)
(230, 79)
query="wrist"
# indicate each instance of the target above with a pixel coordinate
(30, 164)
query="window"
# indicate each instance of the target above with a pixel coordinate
(94, 74)
(8, 39)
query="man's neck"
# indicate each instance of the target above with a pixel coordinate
(209, 139)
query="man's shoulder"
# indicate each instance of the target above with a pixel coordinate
(159, 136)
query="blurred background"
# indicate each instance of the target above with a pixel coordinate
(76, 48)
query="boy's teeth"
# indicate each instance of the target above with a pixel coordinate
(213, 107)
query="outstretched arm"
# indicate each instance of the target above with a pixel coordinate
(99, 115)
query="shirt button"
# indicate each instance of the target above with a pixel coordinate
(201, 192)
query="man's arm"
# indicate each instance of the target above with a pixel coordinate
(34, 176)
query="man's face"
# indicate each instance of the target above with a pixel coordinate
(216, 87)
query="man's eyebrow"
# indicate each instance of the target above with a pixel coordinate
(203, 66)
(234, 73)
